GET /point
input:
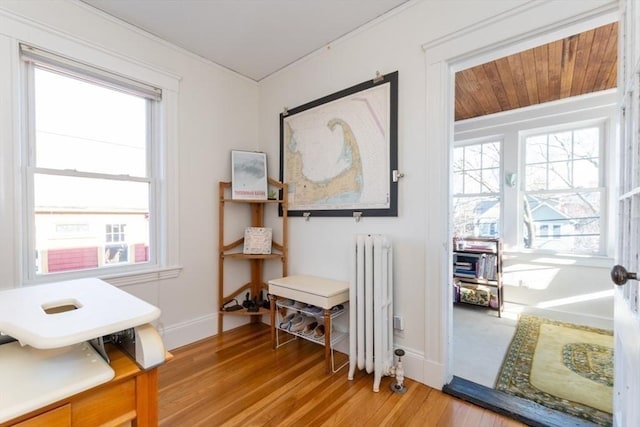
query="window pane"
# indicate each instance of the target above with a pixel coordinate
(536, 177)
(491, 180)
(473, 156)
(472, 181)
(560, 146)
(574, 218)
(559, 176)
(476, 216)
(491, 155)
(585, 173)
(86, 127)
(586, 143)
(458, 183)
(536, 149)
(84, 223)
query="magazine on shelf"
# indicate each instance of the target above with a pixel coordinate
(248, 175)
(257, 241)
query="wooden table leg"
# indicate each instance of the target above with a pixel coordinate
(147, 399)
(327, 341)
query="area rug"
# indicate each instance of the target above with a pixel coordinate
(562, 366)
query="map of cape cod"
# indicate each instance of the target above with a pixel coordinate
(336, 155)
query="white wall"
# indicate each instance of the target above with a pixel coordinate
(217, 111)
(419, 233)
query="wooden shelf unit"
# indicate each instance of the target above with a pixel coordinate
(477, 265)
(233, 250)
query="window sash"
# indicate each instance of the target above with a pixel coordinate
(54, 62)
(480, 175)
(105, 79)
(567, 189)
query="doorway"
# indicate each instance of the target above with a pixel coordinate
(444, 58)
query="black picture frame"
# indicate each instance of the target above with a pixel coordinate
(313, 114)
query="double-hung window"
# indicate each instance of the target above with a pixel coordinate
(563, 191)
(476, 189)
(90, 175)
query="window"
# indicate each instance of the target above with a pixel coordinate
(115, 233)
(553, 182)
(476, 188)
(90, 172)
(563, 190)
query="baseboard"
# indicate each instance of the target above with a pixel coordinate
(180, 334)
(433, 373)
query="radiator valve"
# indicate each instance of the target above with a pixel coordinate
(398, 386)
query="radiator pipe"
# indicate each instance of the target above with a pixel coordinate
(398, 386)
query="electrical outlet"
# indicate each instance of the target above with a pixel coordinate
(398, 323)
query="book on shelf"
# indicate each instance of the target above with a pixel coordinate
(257, 241)
(477, 266)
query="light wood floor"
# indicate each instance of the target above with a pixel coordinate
(237, 379)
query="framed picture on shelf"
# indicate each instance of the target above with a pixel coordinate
(248, 175)
(257, 241)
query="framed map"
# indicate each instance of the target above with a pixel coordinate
(339, 153)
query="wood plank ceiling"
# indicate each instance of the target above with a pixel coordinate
(579, 64)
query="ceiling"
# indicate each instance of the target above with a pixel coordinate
(252, 37)
(579, 64)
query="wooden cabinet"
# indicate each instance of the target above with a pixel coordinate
(477, 272)
(231, 250)
(130, 398)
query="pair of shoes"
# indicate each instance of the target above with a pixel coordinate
(300, 325)
(286, 321)
(312, 309)
(309, 328)
(285, 302)
(318, 332)
(337, 308)
(234, 307)
(296, 321)
(299, 305)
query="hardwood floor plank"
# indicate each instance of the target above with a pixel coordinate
(237, 379)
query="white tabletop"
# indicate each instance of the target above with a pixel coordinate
(33, 378)
(101, 309)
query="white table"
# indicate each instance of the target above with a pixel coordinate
(318, 291)
(52, 323)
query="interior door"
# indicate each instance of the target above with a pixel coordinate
(626, 304)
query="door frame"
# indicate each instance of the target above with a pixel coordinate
(516, 29)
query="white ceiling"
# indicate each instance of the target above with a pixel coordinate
(252, 37)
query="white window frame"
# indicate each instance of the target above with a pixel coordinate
(163, 158)
(602, 125)
(499, 193)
